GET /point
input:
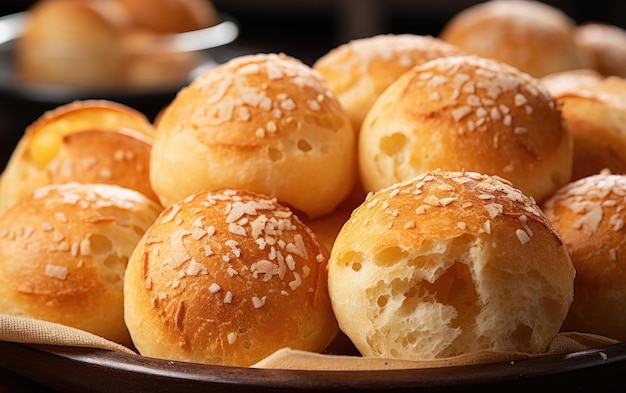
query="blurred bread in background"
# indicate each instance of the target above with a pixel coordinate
(171, 16)
(605, 44)
(109, 43)
(532, 36)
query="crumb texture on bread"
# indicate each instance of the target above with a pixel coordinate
(449, 263)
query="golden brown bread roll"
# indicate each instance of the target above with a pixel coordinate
(466, 113)
(589, 216)
(84, 141)
(532, 36)
(227, 277)
(63, 255)
(448, 263)
(265, 123)
(606, 45)
(595, 114)
(360, 70)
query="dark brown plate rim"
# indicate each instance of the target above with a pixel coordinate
(95, 370)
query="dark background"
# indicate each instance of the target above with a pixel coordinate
(305, 29)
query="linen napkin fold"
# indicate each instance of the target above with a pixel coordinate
(26, 330)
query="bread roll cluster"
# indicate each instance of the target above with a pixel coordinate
(106, 44)
(413, 195)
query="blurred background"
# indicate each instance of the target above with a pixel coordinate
(305, 29)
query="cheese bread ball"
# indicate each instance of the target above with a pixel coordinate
(360, 70)
(63, 255)
(595, 113)
(265, 123)
(466, 113)
(589, 216)
(449, 263)
(228, 277)
(532, 36)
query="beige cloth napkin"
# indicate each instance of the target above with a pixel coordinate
(32, 331)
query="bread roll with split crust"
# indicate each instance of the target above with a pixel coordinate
(532, 36)
(266, 123)
(228, 278)
(63, 255)
(589, 216)
(91, 141)
(466, 113)
(449, 263)
(595, 114)
(360, 70)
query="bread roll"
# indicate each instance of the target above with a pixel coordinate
(449, 263)
(265, 123)
(360, 70)
(595, 114)
(227, 277)
(171, 16)
(71, 42)
(606, 45)
(589, 216)
(564, 81)
(63, 254)
(534, 37)
(466, 113)
(84, 141)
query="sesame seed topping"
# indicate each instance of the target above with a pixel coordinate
(55, 271)
(522, 236)
(258, 302)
